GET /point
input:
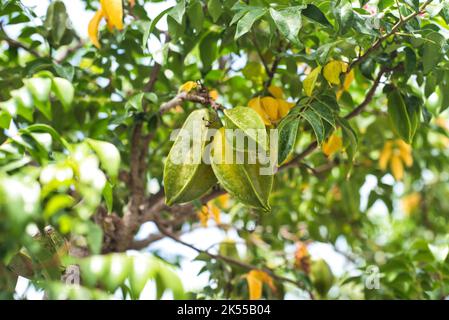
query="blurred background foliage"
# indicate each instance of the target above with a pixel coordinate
(68, 111)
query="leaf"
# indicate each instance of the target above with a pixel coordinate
(332, 71)
(149, 31)
(432, 54)
(398, 115)
(64, 90)
(178, 11)
(323, 111)
(119, 268)
(332, 145)
(108, 196)
(315, 122)
(113, 10)
(288, 131)
(288, 21)
(56, 22)
(196, 15)
(143, 269)
(344, 16)
(92, 28)
(255, 279)
(135, 102)
(249, 122)
(208, 49)
(310, 81)
(244, 181)
(5, 119)
(439, 252)
(314, 13)
(24, 101)
(56, 203)
(186, 176)
(108, 155)
(350, 141)
(215, 9)
(39, 88)
(244, 25)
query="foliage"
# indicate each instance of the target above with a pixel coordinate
(357, 90)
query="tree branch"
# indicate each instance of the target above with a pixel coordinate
(232, 261)
(203, 99)
(16, 44)
(395, 28)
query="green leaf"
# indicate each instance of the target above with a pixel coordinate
(135, 102)
(178, 11)
(24, 101)
(186, 175)
(350, 141)
(64, 91)
(215, 9)
(120, 266)
(108, 155)
(196, 15)
(208, 49)
(40, 89)
(244, 25)
(149, 31)
(288, 131)
(439, 252)
(5, 119)
(56, 22)
(108, 196)
(344, 16)
(288, 21)
(316, 123)
(57, 203)
(399, 117)
(432, 54)
(143, 269)
(323, 111)
(314, 13)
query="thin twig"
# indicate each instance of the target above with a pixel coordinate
(235, 262)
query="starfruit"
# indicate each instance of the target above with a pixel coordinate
(245, 181)
(249, 122)
(186, 175)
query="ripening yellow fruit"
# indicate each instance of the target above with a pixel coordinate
(276, 92)
(397, 153)
(255, 104)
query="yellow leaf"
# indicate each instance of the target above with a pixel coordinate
(93, 27)
(310, 81)
(223, 200)
(254, 104)
(188, 86)
(397, 168)
(411, 202)
(255, 279)
(332, 70)
(405, 151)
(270, 105)
(385, 155)
(332, 145)
(276, 92)
(215, 212)
(203, 215)
(113, 10)
(346, 83)
(254, 286)
(213, 94)
(284, 107)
